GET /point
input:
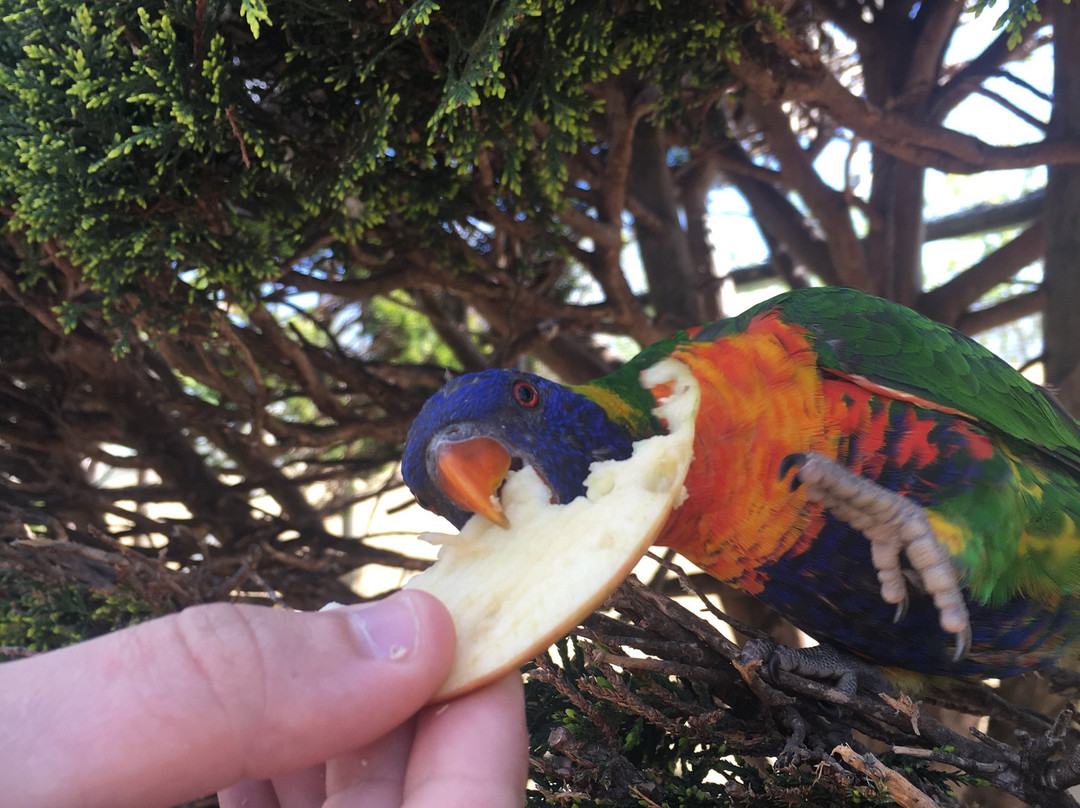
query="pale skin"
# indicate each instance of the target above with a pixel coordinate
(271, 709)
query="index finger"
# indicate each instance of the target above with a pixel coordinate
(178, 707)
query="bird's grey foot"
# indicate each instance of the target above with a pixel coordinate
(820, 662)
(893, 524)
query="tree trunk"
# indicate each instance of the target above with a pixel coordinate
(1061, 322)
(694, 187)
(1061, 325)
(665, 251)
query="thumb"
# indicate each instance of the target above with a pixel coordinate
(179, 707)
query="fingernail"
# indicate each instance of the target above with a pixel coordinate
(387, 628)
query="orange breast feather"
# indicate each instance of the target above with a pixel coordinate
(761, 400)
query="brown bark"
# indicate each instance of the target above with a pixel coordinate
(694, 186)
(1003, 313)
(674, 287)
(988, 218)
(1062, 280)
(901, 67)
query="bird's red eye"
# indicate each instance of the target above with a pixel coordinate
(525, 394)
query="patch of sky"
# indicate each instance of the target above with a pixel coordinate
(844, 165)
(582, 288)
(948, 193)
(1029, 89)
(993, 121)
(733, 233)
(678, 156)
(255, 89)
(1019, 343)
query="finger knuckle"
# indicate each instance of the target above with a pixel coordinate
(227, 664)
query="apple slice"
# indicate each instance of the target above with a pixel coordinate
(513, 592)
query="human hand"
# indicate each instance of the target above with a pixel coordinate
(279, 709)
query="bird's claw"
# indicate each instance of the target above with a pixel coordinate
(901, 610)
(792, 461)
(893, 524)
(819, 662)
(963, 644)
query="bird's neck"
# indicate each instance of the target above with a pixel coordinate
(624, 400)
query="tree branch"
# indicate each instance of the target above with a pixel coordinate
(987, 218)
(828, 205)
(1007, 311)
(948, 302)
(795, 73)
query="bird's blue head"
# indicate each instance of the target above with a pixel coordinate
(480, 426)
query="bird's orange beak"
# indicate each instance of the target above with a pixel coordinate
(470, 472)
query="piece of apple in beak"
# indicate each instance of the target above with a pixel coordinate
(513, 592)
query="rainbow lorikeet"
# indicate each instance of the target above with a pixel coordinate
(835, 430)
